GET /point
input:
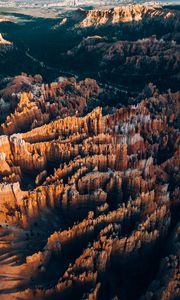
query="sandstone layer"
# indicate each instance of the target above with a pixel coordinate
(89, 205)
(124, 13)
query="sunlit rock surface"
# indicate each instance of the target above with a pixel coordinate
(124, 13)
(89, 204)
(5, 47)
(89, 168)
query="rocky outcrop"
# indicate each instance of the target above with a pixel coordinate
(124, 13)
(166, 282)
(130, 45)
(3, 41)
(89, 169)
(89, 199)
(49, 102)
(6, 48)
(130, 61)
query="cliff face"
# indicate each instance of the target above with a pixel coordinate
(126, 13)
(130, 61)
(128, 45)
(89, 180)
(5, 47)
(88, 200)
(3, 41)
(47, 102)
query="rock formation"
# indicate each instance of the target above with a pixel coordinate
(45, 103)
(131, 62)
(89, 168)
(129, 45)
(3, 41)
(124, 13)
(89, 201)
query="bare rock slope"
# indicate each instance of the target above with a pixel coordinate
(89, 202)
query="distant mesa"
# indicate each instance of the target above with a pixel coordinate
(124, 13)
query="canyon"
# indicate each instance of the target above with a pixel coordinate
(90, 161)
(125, 45)
(129, 45)
(89, 202)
